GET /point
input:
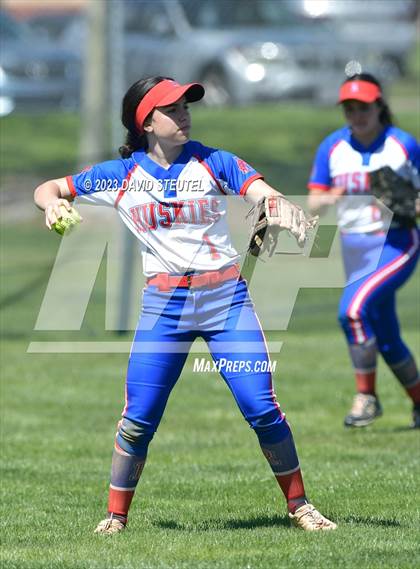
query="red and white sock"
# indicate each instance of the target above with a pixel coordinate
(293, 489)
(408, 375)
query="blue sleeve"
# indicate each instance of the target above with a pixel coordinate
(235, 174)
(105, 177)
(414, 154)
(320, 177)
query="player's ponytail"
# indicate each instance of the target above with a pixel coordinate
(134, 140)
(385, 115)
(132, 143)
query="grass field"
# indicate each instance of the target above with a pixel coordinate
(207, 498)
(279, 140)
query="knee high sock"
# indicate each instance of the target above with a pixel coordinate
(125, 473)
(363, 357)
(283, 460)
(293, 489)
(408, 375)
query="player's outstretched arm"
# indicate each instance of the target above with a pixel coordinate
(50, 196)
(319, 201)
(258, 190)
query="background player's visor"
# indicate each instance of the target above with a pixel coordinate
(359, 91)
(166, 93)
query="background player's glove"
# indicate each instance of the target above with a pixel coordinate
(398, 194)
(272, 215)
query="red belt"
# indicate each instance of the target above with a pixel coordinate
(210, 279)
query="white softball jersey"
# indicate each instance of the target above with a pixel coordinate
(178, 214)
(341, 161)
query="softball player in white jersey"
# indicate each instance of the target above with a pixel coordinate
(171, 193)
(367, 311)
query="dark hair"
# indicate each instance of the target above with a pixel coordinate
(134, 140)
(385, 116)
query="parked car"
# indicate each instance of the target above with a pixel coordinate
(385, 27)
(238, 54)
(357, 10)
(51, 25)
(160, 38)
(242, 50)
(35, 74)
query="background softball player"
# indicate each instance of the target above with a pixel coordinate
(171, 193)
(367, 311)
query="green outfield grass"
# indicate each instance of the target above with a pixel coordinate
(278, 140)
(207, 498)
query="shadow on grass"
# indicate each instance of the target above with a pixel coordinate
(404, 429)
(14, 336)
(217, 524)
(382, 430)
(266, 521)
(371, 521)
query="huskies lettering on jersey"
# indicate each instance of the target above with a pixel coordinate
(152, 215)
(353, 182)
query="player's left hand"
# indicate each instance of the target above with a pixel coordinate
(273, 214)
(397, 193)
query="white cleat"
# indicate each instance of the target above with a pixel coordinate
(309, 519)
(109, 526)
(366, 408)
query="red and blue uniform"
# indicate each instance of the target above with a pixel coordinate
(377, 261)
(178, 216)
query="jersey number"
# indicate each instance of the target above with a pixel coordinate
(213, 252)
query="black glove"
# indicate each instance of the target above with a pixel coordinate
(398, 194)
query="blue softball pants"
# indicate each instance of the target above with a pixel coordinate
(368, 305)
(169, 323)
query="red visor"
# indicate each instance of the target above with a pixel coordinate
(165, 93)
(359, 91)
